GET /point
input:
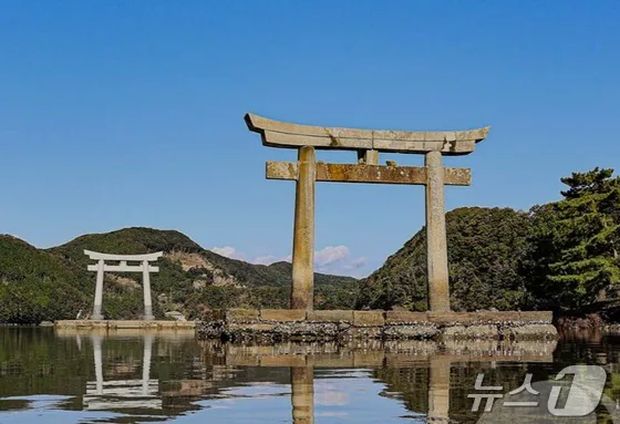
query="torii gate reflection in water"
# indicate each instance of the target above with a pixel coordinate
(368, 144)
(122, 394)
(143, 266)
(302, 392)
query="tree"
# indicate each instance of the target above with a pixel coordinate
(576, 242)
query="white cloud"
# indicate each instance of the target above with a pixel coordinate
(329, 260)
(330, 255)
(266, 260)
(337, 260)
(228, 251)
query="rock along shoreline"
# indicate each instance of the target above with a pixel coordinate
(277, 325)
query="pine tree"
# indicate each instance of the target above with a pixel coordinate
(584, 231)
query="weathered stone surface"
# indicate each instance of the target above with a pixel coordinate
(532, 332)
(241, 332)
(362, 333)
(283, 361)
(285, 134)
(410, 331)
(436, 240)
(453, 331)
(449, 317)
(209, 330)
(498, 316)
(252, 327)
(273, 325)
(302, 293)
(368, 318)
(237, 314)
(468, 317)
(368, 157)
(539, 316)
(366, 173)
(283, 314)
(307, 331)
(330, 316)
(405, 316)
(485, 331)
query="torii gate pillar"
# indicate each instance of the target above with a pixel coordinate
(302, 293)
(436, 241)
(97, 315)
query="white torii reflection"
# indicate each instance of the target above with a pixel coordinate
(122, 394)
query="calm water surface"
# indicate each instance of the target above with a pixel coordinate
(47, 377)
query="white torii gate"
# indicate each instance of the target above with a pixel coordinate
(144, 267)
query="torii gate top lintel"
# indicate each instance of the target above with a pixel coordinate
(289, 135)
(114, 257)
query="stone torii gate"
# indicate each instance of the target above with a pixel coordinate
(368, 144)
(143, 266)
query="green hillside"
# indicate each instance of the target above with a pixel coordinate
(485, 249)
(54, 284)
(35, 285)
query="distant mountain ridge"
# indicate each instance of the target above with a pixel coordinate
(45, 284)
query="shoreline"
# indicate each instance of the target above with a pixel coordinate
(274, 325)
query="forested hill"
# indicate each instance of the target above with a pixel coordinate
(37, 284)
(563, 256)
(485, 250)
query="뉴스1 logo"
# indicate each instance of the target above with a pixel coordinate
(560, 400)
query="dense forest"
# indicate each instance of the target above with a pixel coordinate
(485, 248)
(561, 256)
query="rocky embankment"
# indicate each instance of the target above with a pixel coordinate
(275, 325)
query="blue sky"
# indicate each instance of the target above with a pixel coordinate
(129, 113)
